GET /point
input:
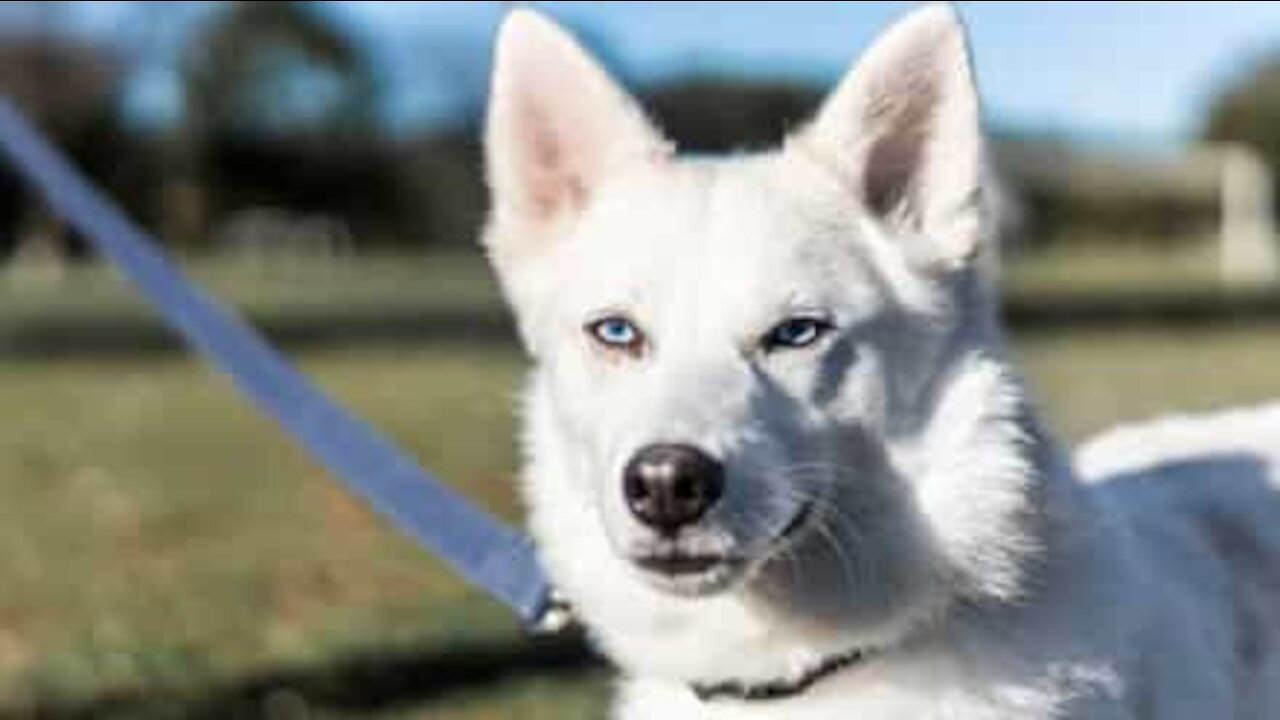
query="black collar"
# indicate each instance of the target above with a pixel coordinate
(778, 689)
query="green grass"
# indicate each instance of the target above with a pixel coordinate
(1089, 380)
(154, 532)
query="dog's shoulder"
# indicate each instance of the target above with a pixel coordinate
(1199, 499)
(1216, 474)
(1229, 436)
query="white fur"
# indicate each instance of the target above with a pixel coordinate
(949, 534)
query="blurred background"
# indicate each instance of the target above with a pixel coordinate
(164, 552)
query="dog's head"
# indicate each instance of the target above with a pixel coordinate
(750, 371)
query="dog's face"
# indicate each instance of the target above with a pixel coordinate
(713, 355)
(738, 359)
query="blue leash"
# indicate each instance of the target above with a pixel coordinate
(488, 553)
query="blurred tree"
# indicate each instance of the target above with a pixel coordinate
(279, 69)
(711, 114)
(70, 88)
(1248, 110)
(62, 85)
(281, 112)
(441, 167)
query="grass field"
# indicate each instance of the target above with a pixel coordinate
(157, 537)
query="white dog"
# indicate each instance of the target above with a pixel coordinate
(778, 459)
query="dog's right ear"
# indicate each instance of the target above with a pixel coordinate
(557, 123)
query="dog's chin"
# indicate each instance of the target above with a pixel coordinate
(701, 575)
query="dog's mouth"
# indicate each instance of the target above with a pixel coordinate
(690, 574)
(693, 574)
(676, 563)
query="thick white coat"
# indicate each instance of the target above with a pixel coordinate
(950, 534)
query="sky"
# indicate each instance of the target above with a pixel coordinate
(1086, 69)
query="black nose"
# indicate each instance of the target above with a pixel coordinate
(670, 486)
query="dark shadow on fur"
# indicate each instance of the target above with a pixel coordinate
(1234, 504)
(1246, 474)
(835, 370)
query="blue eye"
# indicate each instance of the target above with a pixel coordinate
(796, 332)
(617, 332)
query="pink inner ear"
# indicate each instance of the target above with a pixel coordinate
(549, 172)
(900, 128)
(554, 184)
(558, 123)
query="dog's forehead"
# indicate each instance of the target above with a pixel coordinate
(753, 225)
(699, 203)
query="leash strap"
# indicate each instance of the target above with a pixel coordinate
(489, 554)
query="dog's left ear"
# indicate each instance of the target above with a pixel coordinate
(903, 131)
